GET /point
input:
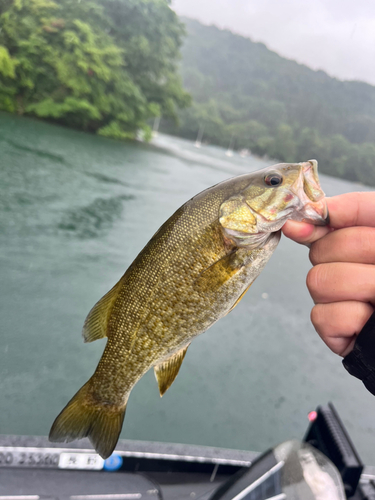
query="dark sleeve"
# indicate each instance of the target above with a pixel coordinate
(361, 361)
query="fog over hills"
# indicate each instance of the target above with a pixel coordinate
(275, 106)
(336, 36)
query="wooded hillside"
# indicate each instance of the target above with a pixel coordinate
(104, 66)
(275, 106)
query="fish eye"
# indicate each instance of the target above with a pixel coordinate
(274, 179)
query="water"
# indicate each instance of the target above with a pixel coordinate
(75, 210)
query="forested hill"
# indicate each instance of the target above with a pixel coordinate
(104, 66)
(275, 106)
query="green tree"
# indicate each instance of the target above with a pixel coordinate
(248, 134)
(308, 144)
(150, 34)
(207, 118)
(59, 60)
(334, 152)
(284, 146)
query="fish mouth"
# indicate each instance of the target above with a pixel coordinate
(311, 196)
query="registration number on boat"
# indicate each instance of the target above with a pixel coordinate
(16, 458)
(62, 459)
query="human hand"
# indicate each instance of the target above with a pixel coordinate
(342, 281)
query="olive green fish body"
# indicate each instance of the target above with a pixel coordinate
(193, 271)
(173, 292)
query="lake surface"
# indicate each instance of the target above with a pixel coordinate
(75, 210)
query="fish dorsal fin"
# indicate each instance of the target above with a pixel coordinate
(95, 326)
(167, 371)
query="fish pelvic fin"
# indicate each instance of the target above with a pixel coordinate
(96, 323)
(80, 418)
(167, 371)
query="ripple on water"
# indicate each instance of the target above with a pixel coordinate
(38, 152)
(105, 178)
(92, 220)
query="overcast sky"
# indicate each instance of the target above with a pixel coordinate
(337, 36)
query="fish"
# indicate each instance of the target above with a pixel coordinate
(193, 271)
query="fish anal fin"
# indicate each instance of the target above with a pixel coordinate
(167, 371)
(95, 326)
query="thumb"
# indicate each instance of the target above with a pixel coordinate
(304, 233)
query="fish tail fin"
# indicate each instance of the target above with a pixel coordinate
(80, 418)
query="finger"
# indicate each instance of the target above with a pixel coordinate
(351, 244)
(352, 209)
(304, 233)
(339, 323)
(340, 281)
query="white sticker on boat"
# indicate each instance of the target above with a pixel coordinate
(87, 461)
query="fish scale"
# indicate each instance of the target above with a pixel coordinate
(194, 270)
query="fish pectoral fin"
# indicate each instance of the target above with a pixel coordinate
(218, 273)
(167, 371)
(239, 299)
(95, 326)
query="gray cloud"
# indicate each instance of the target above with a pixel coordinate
(337, 36)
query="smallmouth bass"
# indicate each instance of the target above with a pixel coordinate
(192, 272)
